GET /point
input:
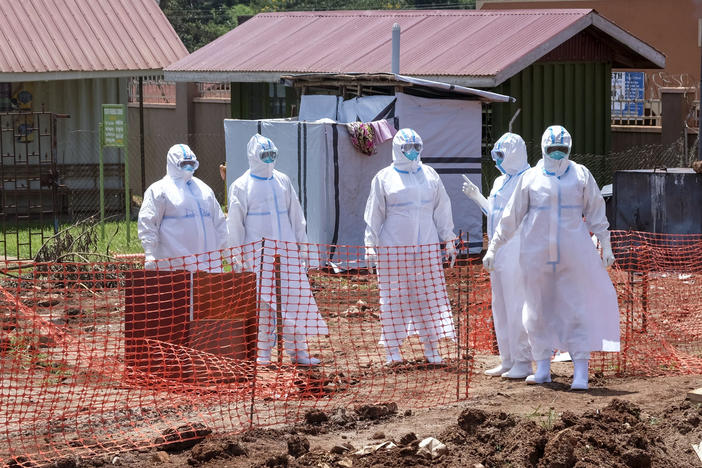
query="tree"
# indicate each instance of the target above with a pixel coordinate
(199, 22)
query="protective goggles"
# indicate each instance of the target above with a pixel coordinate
(562, 148)
(407, 147)
(268, 156)
(497, 155)
(187, 163)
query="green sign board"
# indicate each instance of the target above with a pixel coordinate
(114, 121)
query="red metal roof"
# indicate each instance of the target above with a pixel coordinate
(85, 36)
(434, 43)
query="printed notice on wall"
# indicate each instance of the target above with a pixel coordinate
(114, 125)
(628, 94)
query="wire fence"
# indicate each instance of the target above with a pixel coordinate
(78, 174)
(680, 153)
(103, 357)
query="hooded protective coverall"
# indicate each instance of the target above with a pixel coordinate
(507, 280)
(263, 204)
(407, 213)
(570, 301)
(180, 218)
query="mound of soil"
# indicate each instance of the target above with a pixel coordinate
(374, 412)
(619, 435)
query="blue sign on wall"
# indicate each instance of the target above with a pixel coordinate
(628, 94)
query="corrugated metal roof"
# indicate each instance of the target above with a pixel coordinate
(434, 43)
(84, 37)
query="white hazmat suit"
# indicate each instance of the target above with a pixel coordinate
(407, 213)
(507, 281)
(180, 219)
(570, 301)
(263, 205)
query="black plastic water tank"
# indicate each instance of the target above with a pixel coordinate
(657, 200)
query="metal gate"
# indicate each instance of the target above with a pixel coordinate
(29, 198)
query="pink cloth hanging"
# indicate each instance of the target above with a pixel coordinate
(384, 130)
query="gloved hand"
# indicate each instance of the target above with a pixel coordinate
(489, 260)
(473, 192)
(470, 189)
(236, 261)
(607, 254)
(451, 252)
(149, 261)
(304, 252)
(371, 257)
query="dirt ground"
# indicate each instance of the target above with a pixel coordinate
(619, 422)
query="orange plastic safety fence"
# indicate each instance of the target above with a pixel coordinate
(106, 357)
(657, 278)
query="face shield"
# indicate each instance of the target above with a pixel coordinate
(188, 165)
(498, 156)
(411, 150)
(557, 151)
(268, 155)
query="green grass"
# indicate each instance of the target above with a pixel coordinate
(116, 237)
(17, 240)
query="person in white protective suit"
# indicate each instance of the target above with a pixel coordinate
(407, 213)
(180, 219)
(263, 205)
(571, 304)
(507, 281)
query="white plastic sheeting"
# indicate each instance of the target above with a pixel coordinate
(333, 179)
(451, 131)
(365, 109)
(319, 106)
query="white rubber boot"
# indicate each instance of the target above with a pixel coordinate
(393, 356)
(580, 374)
(264, 357)
(504, 367)
(432, 354)
(301, 358)
(299, 355)
(542, 374)
(519, 370)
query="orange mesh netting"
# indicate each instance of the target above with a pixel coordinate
(106, 357)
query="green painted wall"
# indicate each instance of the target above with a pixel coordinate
(575, 95)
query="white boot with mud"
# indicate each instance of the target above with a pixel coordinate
(519, 370)
(504, 367)
(432, 354)
(393, 356)
(580, 374)
(542, 374)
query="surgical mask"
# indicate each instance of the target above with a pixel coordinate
(411, 150)
(187, 165)
(268, 156)
(498, 163)
(412, 154)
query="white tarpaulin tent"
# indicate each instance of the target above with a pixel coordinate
(332, 178)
